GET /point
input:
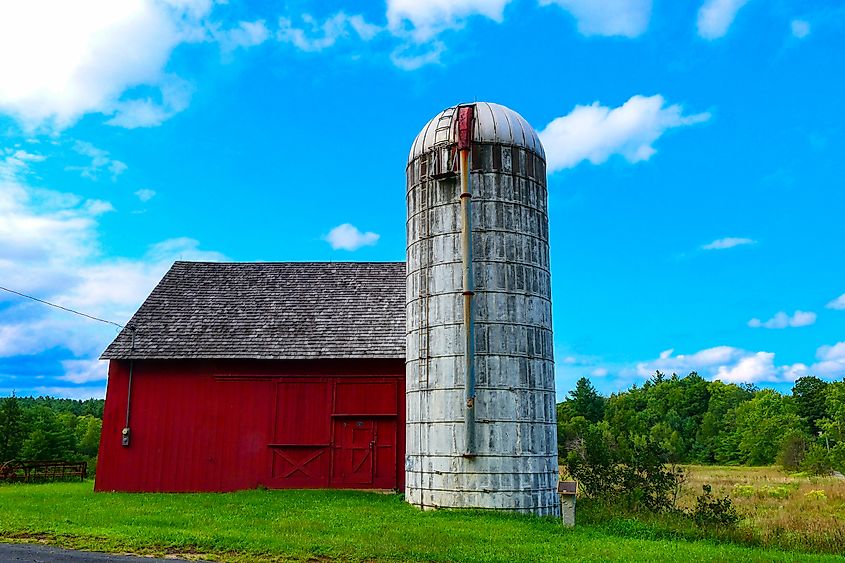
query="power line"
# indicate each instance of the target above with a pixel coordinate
(92, 317)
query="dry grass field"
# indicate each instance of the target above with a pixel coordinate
(777, 507)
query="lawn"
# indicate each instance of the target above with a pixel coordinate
(325, 525)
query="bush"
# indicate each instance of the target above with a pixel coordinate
(817, 461)
(792, 452)
(640, 480)
(713, 511)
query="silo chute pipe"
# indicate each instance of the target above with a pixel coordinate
(465, 118)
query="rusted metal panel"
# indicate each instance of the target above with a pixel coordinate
(228, 425)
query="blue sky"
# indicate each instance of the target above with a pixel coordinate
(695, 157)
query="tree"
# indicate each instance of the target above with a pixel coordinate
(50, 437)
(762, 424)
(11, 429)
(585, 401)
(810, 394)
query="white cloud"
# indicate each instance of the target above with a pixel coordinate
(145, 194)
(599, 372)
(716, 16)
(411, 56)
(727, 242)
(783, 320)
(838, 303)
(800, 28)
(246, 34)
(628, 18)
(596, 132)
(100, 161)
(74, 392)
(750, 369)
(735, 365)
(63, 60)
(831, 361)
(84, 371)
(348, 237)
(51, 250)
(315, 36)
(423, 20)
(173, 96)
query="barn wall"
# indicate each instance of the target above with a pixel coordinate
(228, 425)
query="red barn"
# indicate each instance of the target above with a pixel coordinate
(242, 375)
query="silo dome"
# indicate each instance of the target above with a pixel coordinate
(493, 123)
(481, 426)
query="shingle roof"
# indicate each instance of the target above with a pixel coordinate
(271, 310)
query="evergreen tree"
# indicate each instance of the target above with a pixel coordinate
(585, 401)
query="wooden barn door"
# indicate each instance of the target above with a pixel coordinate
(302, 434)
(365, 439)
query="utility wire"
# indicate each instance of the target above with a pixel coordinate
(62, 308)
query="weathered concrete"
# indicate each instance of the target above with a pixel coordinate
(516, 465)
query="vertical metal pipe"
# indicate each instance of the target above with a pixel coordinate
(468, 293)
(125, 431)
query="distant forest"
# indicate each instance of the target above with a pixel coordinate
(688, 419)
(46, 428)
(692, 420)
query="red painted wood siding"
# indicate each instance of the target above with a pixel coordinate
(228, 425)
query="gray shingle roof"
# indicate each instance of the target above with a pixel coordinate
(271, 310)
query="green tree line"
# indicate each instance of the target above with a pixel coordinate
(692, 420)
(47, 428)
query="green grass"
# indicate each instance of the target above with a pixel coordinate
(326, 525)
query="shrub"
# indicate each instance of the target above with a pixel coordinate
(817, 461)
(792, 451)
(713, 511)
(640, 479)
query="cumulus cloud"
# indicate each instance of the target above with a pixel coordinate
(348, 237)
(84, 371)
(63, 60)
(100, 162)
(727, 242)
(424, 20)
(756, 367)
(716, 16)
(51, 250)
(735, 365)
(838, 303)
(831, 361)
(627, 18)
(784, 320)
(596, 132)
(800, 28)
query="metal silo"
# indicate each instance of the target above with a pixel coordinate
(481, 424)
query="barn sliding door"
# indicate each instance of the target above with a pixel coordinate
(302, 434)
(336, 432)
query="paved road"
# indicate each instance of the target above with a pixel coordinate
(37, 553)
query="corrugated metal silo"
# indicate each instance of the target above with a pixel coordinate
(481, 424)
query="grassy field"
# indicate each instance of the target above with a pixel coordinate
(779, 508)
(327, 525)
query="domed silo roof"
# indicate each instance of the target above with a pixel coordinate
(492, 123)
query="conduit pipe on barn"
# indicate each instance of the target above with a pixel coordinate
(124, 434)
(465, 118)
